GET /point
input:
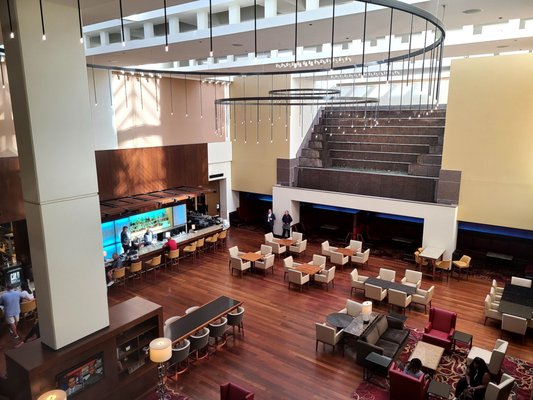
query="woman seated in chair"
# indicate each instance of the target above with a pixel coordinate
(474, 384)
(414, 368)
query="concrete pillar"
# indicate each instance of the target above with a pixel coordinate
(57, 167)
(234, 11)
(173, 25)
(202, 20)
(148, 28)
(271, 8)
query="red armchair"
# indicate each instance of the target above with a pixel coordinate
(440, 329)
(403, 386)
(231, 391)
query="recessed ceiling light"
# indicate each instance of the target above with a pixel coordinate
(236, 45)
(472, 11)
(502, 46)
(310, 24)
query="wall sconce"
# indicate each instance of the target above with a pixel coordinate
(366, 311)
(160, 352)
(57, 394)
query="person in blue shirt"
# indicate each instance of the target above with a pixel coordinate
(11, 302)
(148, 237)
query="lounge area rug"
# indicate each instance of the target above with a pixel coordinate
(451, 368)
(169, 395)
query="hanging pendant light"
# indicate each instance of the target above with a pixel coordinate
(42, 19)
(166, 25)
(11, 33)
(80, 23)
(122, 24)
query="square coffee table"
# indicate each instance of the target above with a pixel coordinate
(429, 354)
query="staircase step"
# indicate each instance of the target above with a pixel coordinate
(332, 112)
(387, 166)
(369, 138)
(374, 155)
(424, 170)
(379, 130)
(430, 159)
(382, 147)
(316, 144)
(307, 152)
(358, 121)
(310, 162)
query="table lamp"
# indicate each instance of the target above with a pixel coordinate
(56, 394)
(160, 352)
(366, 311)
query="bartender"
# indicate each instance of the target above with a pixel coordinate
(148, 237)
(125, 239)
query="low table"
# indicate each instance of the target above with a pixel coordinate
(462, 337)
(429, 354)
(339, 320)
(345, 252)
(285, 242)
(377, 365)
(309, 269)
(439, 390)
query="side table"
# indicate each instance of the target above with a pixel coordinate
(439, 390)
(465, 339)
(376, 365)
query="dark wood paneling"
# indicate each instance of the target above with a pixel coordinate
(11, 204)
(128, 172)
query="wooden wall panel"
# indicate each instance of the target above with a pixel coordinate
(11, 203)
(128, 172)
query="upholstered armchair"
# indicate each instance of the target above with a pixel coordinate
(265, 250)
(288, 264)
(327, 335)
(326, 276)
(412, 278)
(299, 247)
(355, 245)
(444, 267)
(514, 324)
(269, 237)
(361, 258)
(352, 308)
(520, 281)
(327, 249)
(339, 259)
(277, 248)
(319, 261)
(358, 281)
(238, 265)
(387, 274)
(502, 390)
(375, 292)
(493, 358)
(234, 252)
(423, 297)
(298, 278)
(403, 386)
(231, 391)
(497, 289)
(491, 310)
(462, 265)
(266, 263)
(441, 327)
(399, 299)
(298, 236)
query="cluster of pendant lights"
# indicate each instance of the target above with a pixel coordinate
(315, 97)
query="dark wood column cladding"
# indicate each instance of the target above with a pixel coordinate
(11, 204)
(127, 172)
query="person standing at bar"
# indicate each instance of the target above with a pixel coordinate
(11, 302)
(270, 220)
(286, 219)
(125, 239)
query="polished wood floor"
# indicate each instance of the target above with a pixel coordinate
(277, 358)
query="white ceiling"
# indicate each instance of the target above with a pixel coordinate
(315, 33)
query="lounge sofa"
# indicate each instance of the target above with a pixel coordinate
(387, 336)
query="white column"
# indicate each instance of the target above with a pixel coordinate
(311, 5)
(104, 38)
(234, 11)
(57, 168)
(202, 20)
(271, 8)
(173, 26)
(148, 30)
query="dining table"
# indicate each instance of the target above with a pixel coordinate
(517, 300)
(432, 254)
(384, 284)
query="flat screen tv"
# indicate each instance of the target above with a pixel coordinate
(82, 375)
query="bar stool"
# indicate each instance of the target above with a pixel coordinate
(200, 244)
(235, 319)
(199, 341)
(174, 259)
(190, 250)
(218, 330)
(135, 271)
(180, 354)
(222, 237)
(119, 276)
(212, 242)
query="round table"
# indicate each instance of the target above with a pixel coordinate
(339, 320)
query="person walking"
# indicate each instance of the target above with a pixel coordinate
(11, 302)
(286, 219)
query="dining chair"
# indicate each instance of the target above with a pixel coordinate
(298, 278)
(298, 236)
(361, 258)
(339, 259)
(462, 265)
(319, 261)
(387, 274)
(412, 278)
(358, 281)
(325, 277)
(236, 320)
(180, 355)
(399, 299)
(266, 264)
(423, 297)
(491, 310)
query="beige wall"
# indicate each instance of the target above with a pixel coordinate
(254, 164)
(489, 137)
(8, 142)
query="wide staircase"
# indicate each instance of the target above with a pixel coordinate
(390, 153)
